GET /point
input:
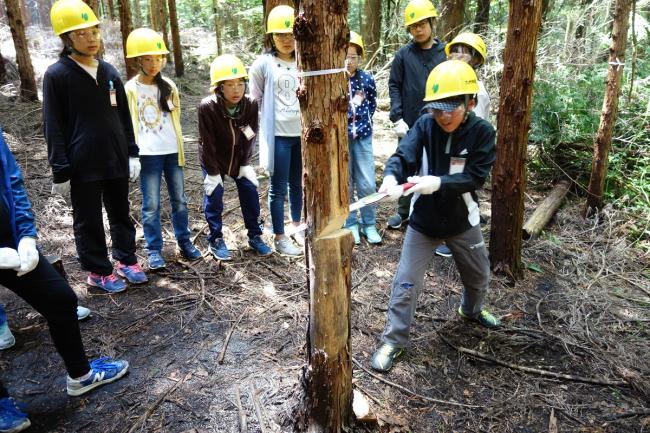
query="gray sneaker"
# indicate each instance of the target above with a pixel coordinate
(383, 358)
(285, 247)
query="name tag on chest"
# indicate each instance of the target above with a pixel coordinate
(456, 165)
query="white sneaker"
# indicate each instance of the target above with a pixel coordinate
(7, 339)
(285, 247)
(82, 312)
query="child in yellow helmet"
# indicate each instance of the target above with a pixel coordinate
(274, 81)
(154, 104)
(91, 147)
(460, 151)
(228, 124)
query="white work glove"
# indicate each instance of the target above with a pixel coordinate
(62, 188)
(248, 172)
(134, 168)
(423, 184)
(28, 255)
(9, 258)
(210, 183)
(389, 186)
(401, 128)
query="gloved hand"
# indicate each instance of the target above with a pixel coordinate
(423, 184)
(28, 255)
(134, 168)
(9, 258)
(389, 185)
(248, 172)
(62, 188)
(401, 128)
(210, 183)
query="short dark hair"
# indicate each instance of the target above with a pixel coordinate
(269, 46)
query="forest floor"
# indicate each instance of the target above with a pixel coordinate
(572, 355)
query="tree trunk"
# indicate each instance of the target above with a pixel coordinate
(164, 19)
(44, 13)
(482, 20)
(3, 69)
(28, 90)
(176, 36)
(217, 25)
(371, 29)
(322, 34)
(154, 15)
(126, 26)
(609, 112)
(24, 13)
(513, 122)
(110, 9)
(546, 210)
(137, 12)
(451, 18)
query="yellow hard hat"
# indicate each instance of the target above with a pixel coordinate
(451, 78)
(226, 67)
(69, 15)
(471, 39)
(280, 20)
(356, 39)
(417, 10)
(145, 42)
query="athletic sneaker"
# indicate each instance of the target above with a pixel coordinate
(443, 251)
(285, 247)
(189, 251)
(102, 371)
(109, 283)
(485, 318)
(155, 260)
(219, 249)
(371, 234)
(12, 419)
(396, 221)
(299, 237)
(7, 339)
(257, 244)
(82, 312)
(133, 273)
(355, 233)
(384, 356)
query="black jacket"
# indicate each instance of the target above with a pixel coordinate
(446, 212)
(408, 77)
(87, 138)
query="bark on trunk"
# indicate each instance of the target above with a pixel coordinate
(164, 19)
(371, 29)
(546, 210)
(25, 13)
(482, 20)
(217, 25)
(451, 18)
(176, 36)
(3, 69)
(513, 121)
(137, 13)
(609, 112)
(322, 35)
(154, 15)
(28, 90)
(126, 26)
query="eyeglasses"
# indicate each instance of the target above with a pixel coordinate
(352, 58)
(439, 113)
(283, 36)
(87, 34)
(418, 26)
(234, 86)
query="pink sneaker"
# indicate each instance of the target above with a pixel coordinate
(110, 283)
(133, 273)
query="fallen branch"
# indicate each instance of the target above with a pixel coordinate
(547, 373)
(258, 409)
(242, 412)
(151, 409)
(222, 355)
(408, 391)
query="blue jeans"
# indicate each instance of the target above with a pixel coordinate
(249, 201)
(3, 315)
(362, 177)
(287, 172)
(153, 166)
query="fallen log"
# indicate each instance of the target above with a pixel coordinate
(546, 210)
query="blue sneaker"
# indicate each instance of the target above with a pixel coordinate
(109, 283)
(219, 250)
(259, 246)
(133, 273)
(155, 260)
(102, 371)
(7, 339)
(443, 251)
(189, 251)
(12, 420)
(371, 233)
(354, 228)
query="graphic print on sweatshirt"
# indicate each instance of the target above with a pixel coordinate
(287, 107)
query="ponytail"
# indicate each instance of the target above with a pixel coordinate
(165, 90)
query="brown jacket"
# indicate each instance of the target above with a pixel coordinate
(223, 147)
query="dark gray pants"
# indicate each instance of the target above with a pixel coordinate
(471, 258)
